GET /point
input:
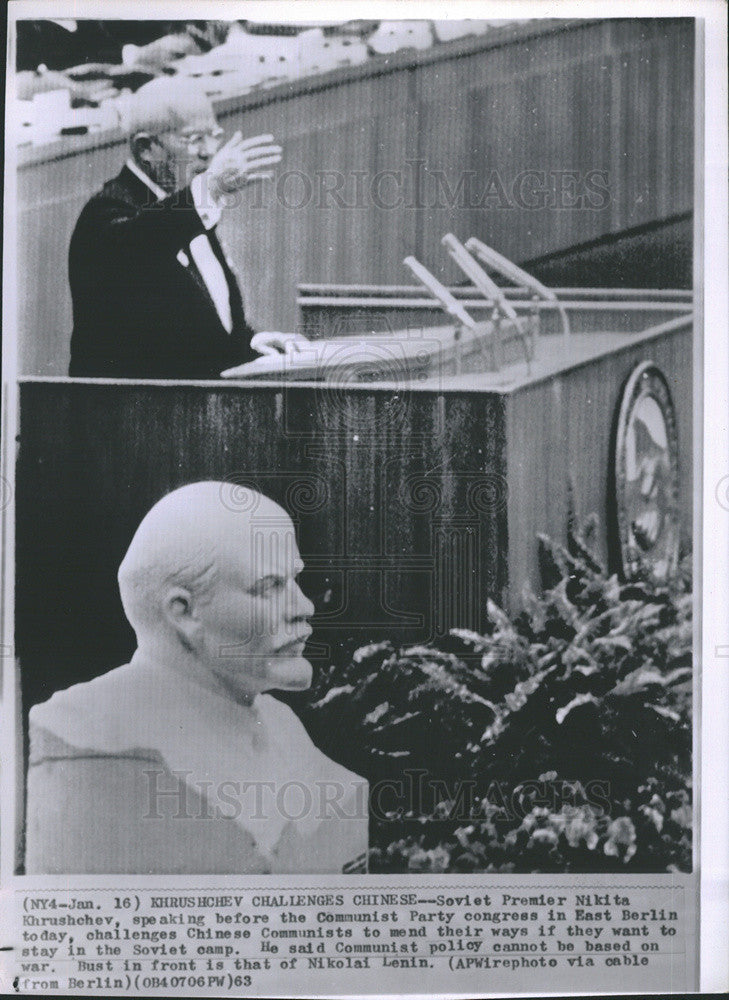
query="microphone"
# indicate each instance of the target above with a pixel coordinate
(492, 258)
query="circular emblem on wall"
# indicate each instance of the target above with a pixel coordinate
(646, 475)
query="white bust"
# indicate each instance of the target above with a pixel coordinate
(127, 771)
(209, 586)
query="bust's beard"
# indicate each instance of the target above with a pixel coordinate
(244, 681)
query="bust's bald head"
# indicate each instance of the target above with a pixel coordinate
(209, 579)
(189, 538)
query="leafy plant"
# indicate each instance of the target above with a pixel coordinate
(559, 740)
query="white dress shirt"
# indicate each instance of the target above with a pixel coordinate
(207, 263)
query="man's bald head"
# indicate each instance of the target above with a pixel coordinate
(190, 538)
(173, 134)
(166, 104)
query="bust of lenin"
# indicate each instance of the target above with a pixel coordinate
(181, 760)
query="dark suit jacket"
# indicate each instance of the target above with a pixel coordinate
(138, 312)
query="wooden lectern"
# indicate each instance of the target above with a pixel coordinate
(418, 467)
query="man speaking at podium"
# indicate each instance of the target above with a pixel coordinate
(153, 293)
(181, 761)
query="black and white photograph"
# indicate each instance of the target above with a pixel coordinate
(353, 464)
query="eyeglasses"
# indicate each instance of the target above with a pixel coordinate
(194, 141)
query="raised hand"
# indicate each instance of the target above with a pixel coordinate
(241, 161)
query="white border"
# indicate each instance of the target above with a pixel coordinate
(714, 760)
(712, 489)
